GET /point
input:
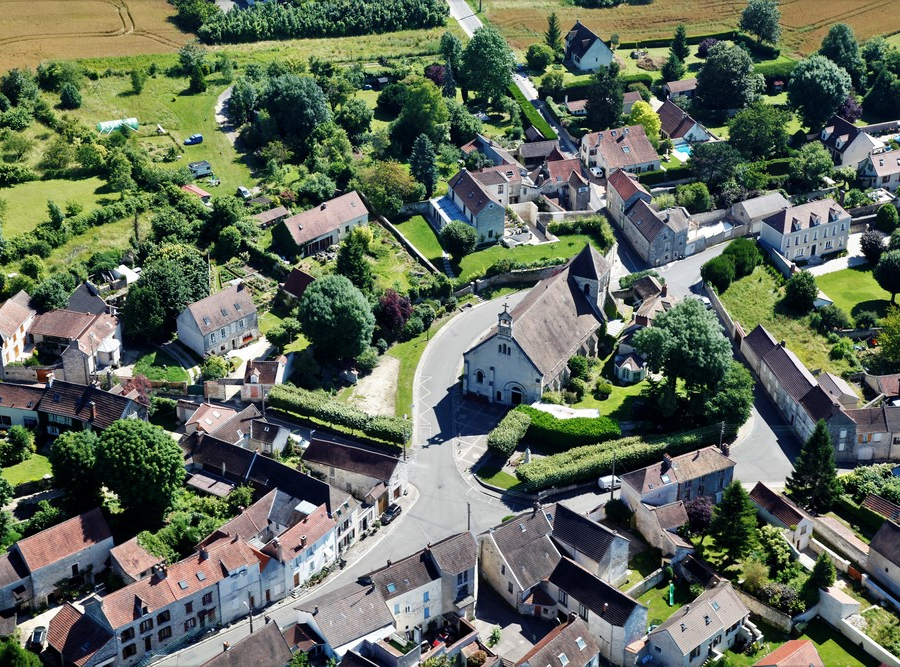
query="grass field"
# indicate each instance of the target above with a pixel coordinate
(642, 565)
(422, 236)
(28, 201)
(834, 649)
(477, 262)
(159, 366)
(28, 471)
(854, 291)
(657, 601)
(804, 22)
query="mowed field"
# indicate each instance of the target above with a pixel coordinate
(804, 22)
(36, 30)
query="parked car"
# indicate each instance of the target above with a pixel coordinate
(596, 172)
(193, 139)
(609, 482)
(391, 513)
(244, 193)
(38, 639)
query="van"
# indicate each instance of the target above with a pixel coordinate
(609, 482)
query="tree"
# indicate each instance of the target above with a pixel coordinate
(673, 69)
(643, 114)
(539, 56)
(694, 197)
(197, 81)
(336, 317)
(298, 106)
(705, 46)
(69, 96)
(20, 444)
(816, 89)
(745, 254)
(73, 458)
(49, 295)
(119, 169)
(887, 218)
(732, 400)
(448, 89)
(841, 48)
(13, 655)
(452, 51)
(551, 84)
(423, 163)
(191, 56)
(884, 96)
(243, 102)
(872, 244)
(142, 465)
(352, 262)
(719, 272)
(734, 523)
(392, 312)
(229, 243)
(761, 18)
(553, 36)
(459, 239)
(889, 338)
(424, 112)
(679, 45)
(604, 98)
(284, 334)
(811, 164)
(727, 79)
(700, 512)
(19, 86)
(18, 145)
(814, 482)
(355, 117)
(387, 185)
(887, 273)
(823, 573)
(801, 291)
(32, 266)
(214, 368)
(138, 79)
(851, 109)
(714, 162)
(143, 312)
(488, 63)
(758, 132)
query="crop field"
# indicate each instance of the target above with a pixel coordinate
(66, 29)
(804, 22)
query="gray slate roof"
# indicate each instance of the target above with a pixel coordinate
(581, 533)
(608, 602)
(712, 612)
(572, 640)
(455, 554)
(400, 577)
(351, 612)
(887, 542)
(525, 543)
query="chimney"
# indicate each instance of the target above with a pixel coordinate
(782, 343)
(303, 540)
(665, 290)
(225, 646)
(204, 554)
(49, 380)
(389, 562)
(279, 550)
(323, 206)
(572, 617)
(666, 462)
(535, 508)
(316, 610)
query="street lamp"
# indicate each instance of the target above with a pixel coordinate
(247, 604)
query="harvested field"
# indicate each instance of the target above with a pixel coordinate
(67, 29)
(804, 22)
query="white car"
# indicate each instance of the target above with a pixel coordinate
(609, 482)
(596, 172)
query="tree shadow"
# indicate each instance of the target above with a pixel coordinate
(878, 306)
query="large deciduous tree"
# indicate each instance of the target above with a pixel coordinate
(758, 132)
(816, 89)
(714, 162)
(298, 106)
(643, 114)
(352, 262)
(872, 246)
(887, 273)
(424, 112)
(142, 465)
(811, 164)
(734, 523)
(336, 317)
(841, 48)
(814, 483)
(604, 98)
(452, 51)
(727, 79)
(388, 185)
(801, 291)
(732, 400)
(73, 458)
(459, 238)
(761, 19)
(488, 63)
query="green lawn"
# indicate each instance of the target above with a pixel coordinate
(756, 299)
(834, 649)
(657, 601)
(28, 201)
(270, 320)
(498, 478)
(475, 264)
(418, 232)
(618, 405)
(640, 567)
(883, 627)
(28, 471)
(159, 366)
(855, 290)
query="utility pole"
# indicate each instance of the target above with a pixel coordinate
(250, 607)
(721, 433)
(469, 516)
(612, 482)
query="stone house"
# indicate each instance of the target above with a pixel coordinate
(877, 432)
(411, 588)
(478, 199)
(686, 87)
(68, 406)
(456, 558)
(493, 151)
(585, 50)
(613, 618)
(527, 352)
(75, 639)
(321, 227)
(625, 148)
(267, 437)
(534, 153)
(30, 572)
(567, 644)
(848, 144)
(563, 182)
(660, 526)
(375, 477)
(623, 190)
(18, 404)
(132, 562)
(16, 316)
(86, 342)
(260, 376)
(881, 170)
(219, 323)
(701, 630)
(205, 418)
(601, 551)
(752, 211)
(809, 230)
(884, 557)
(264, 647)
(775, 509)
(677, 125)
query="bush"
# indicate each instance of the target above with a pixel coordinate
(579, 366)
(872, 246)
(843, 349)
(705, 46)
(578, 388)
(553, 433)
(603, 390)
(801, 291)
(367, 361)
(833, 318)
(507, 435)
(539, 56)
(866, 319)
(670, 174)
(618, 513)
(719, 271)
(745, 255)
(596, 226)
(459, 238)
(531, 114)
(887, 218)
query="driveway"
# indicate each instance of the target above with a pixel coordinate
(221, 119)
(461, 11)
(854, 258)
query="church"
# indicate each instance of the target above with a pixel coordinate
(527, 352)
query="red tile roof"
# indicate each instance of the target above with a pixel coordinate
(777, 505)
(15, 312)
(625, 184)
(133, 558)
(559, 171)
(795, 653)
(65, 539)
(306, 532)
(622, 147)
(61, 324)
(194, 190)
(882, 506)
(76, 636)
(326, 217)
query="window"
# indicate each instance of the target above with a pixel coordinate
(462, 578)
(127, 635)
(563, 659)
(479, 377)
(427, 612)
(425, 597)
(222, 333)
(582, 611)
(841, 446)
(190, 624)
(75, 570)
(207, 599)
(805, 237)
(129, 650)
(695, 653)
(165, 633)
(146, 625)
(509, 586)
(499, 189)
(241, 324)
(212, 337)
(828, 245)
(189, 608)
(397, 608)
(502, 568)
(163, 617)
(563, 598)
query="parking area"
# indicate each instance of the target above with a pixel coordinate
(518, 634)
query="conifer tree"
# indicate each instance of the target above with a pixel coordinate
(814, 482)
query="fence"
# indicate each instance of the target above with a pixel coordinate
(867, 644)
(841, 563)
(422, 259)
(855, 553)
(518, 276)
(644, 585)
(780, 262)
(734, 329)
(770, 615)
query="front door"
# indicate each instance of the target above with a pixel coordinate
(537, 611)
(296, 579)
(515, 396)
(813, 251)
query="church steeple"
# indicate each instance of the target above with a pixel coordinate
(504, 322)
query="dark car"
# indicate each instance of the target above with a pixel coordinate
(391, 513)
(38, 639)
(193, 139)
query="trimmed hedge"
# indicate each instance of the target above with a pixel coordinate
(670, 174)
(775, 71)
(583, 464)
(764, 51)
(533, 116)
(325, 408)
(666, 41)
(868, 521)
(559, 434)
(507, 435)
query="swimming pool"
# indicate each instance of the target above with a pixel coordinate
(683, 147)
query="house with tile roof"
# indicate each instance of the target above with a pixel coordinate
(703, 629)
(563, 181)
(585, 50)
(776, 509)
(207, 417)
(592, 545)
(67, 406)
(626, 148)
(882, 506)
(75, 639)
(296, 283)
(794, 653)
(814, 229)
(677, 125)
(570, 643)
(266, 647)
(848, 144)
(752, 211)
(19, 403)
(533, 153)
(686, 87)
(478, 199)
(16, 316)
(887, 385)
(219, 323)
(273, 216)
(661, 527)
(320, 227)
(132, 562)
(881, 170)
(260, 376)
(33, 567)
(528, 351)
(883, 564)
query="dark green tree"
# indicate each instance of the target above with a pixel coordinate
(488, 63)
(761, 18)
(814, 482)
(714, 162)
(734, 523)
(336, 317)
(694, 197)
(816, 89)
(138, 79)
(452, 51)
(424, 112)
(732, 399)
(758, 132)
(352, 262)
(423, 163)
(887, 218)
(197, 81)
(355, 117)
(13, 655)
(673, 69)
(727, 79)
(19, 86)
(459, 239)
(243, 102)
(872, 245)
(298, 106)
(841, 48)
(73, 458)
(801, 291)
(229, 243)
(718, 272)
(69, 96)
(887, 273)
(142, 465)
(143, 313)
(811, 164)
(604, 98)
(823, 573)
(745, 254)
(553, 36)
(49, 295)
(448, 89)
(679, 46)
